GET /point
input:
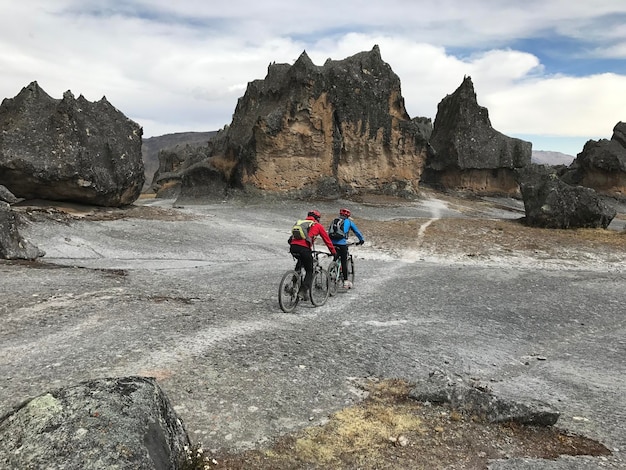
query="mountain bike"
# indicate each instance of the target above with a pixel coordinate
(289, 294)
(335, 272)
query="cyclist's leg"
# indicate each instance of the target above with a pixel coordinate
(343, 255)
(305, 260)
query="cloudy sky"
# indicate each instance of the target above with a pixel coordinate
(549, 71)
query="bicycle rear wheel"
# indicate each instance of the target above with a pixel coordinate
(351, 269)
(334, 274)
(320, 288)
(288, 289)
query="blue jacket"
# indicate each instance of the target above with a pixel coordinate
(347, 226)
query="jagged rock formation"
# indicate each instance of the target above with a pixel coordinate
(105, 423)
(341, 126)
(469, 153)
(69, 149)
(172, 165)
(151, 147)
(549, 202)
(602, 165)
(12, 244)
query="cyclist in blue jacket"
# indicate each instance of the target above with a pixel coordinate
(341, 245)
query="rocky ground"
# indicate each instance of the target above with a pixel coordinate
(385, 430)
(494, 239)
(389, 430)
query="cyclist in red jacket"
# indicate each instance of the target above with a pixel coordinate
(303, 249)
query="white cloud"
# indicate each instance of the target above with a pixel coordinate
(178, 66)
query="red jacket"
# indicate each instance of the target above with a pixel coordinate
(315, 230)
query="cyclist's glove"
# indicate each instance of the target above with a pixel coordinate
(336, 256)
(361, 242)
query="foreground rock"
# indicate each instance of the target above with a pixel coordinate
(549, 202)
(469, 153)
(602, 165)
(12, 244)
(100, 424)
(439, 388)
(69, 150)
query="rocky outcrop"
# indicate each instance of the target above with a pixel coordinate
(602, 165)
(549, 202)
(12, 244)
(69, 149)
(173, 163)
(439, 388)
(306, 125)
(152, 147)
(468, 153)
(100, 424)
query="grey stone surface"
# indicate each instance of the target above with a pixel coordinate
(193, 302)
(116, 422)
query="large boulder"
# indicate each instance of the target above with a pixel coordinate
(69, 149)
(305, 125)
(468, 153)
(12, 244)
(100, 424)
(549, 202)
(602, 165)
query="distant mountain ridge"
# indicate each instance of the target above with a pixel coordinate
(546, 157)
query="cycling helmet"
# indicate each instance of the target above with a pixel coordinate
(315, 214)
(344, 212)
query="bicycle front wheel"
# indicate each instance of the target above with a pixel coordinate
(334, 275)
(288, 289)
(320, 288)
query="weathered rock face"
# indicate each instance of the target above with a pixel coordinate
(602, 165)
(549, 202)
(201, 181)
(304, 124)
(468, 153)
(69, 149)
(172, 165)
(12, 244)
(105, 423)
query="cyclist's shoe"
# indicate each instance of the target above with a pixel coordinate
(304, 294)
(347, 285)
